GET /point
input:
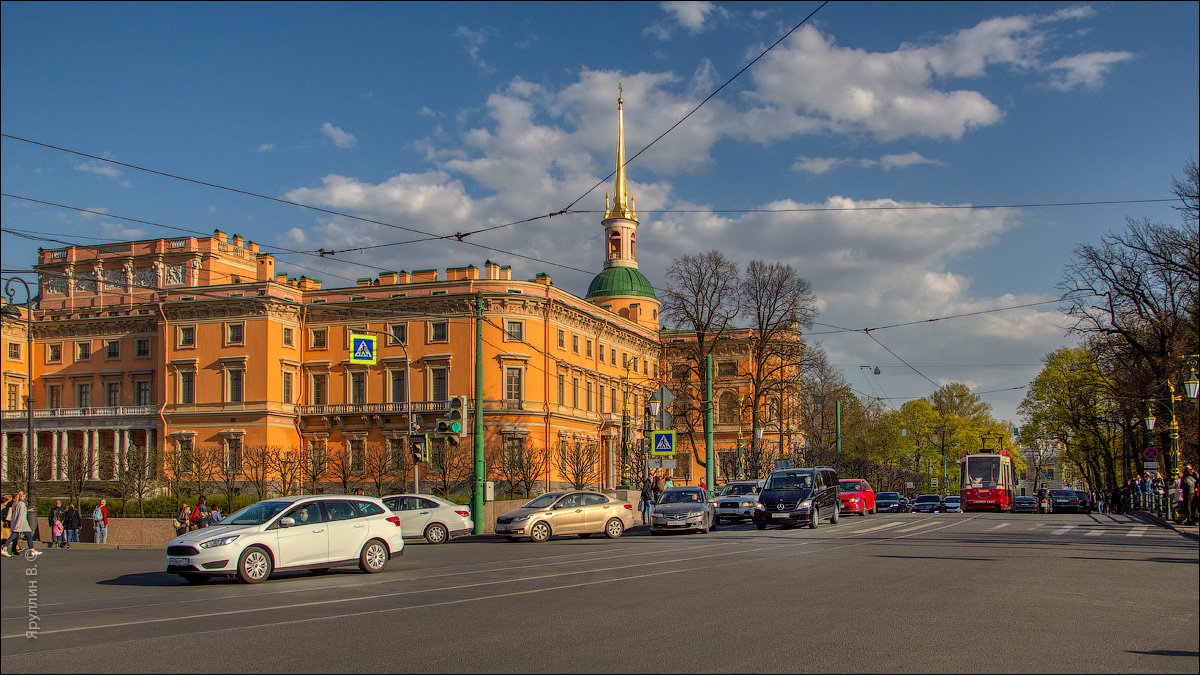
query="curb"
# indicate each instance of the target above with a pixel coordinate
(1154, 519)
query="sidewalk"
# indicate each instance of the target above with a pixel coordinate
(89, 546)
(1189, 531)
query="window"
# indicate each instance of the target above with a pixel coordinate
(438, 376)
(439, 331)
(187, 336)
(358, 388)
(187, 387)
(358, 456)
(397, 333)
(574, 392)
(613, 398)
(575, 344)
(83, 351)
(514, 331)
(233, 454)
(13, 393)
(83, 395)
(588, 397)
(601, 354)
(562, 336)
(512, 384)
(681, 372)
(612, 355)
(600, 398)
(399, 386)
(562, 383)
(54, 396)
(397, 452)
(143, 348)
(112, 394)
(14, 351)
(235, 385)
(185, 455)
(112, 349)
(728, 413)
(287, 388)
(319, 383)
(589, 348)
(289, 336)
(319, 338)
(142, 392)
(727, 369)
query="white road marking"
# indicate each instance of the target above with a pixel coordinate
(996, 527)
(878, 527)
(1138, 531)
(918, 526)
(1064, 530)
(1093, 533)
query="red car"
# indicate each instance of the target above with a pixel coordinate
(857, 496)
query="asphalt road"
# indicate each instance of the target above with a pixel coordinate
(887, 593)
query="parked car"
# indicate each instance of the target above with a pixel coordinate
(290, 533)
(433, 518)
(1064, 501)
(1024, 505)
(927, 504)
(683, 508)
(952, 504)
(891, 502)
(560, 513)
(735, 500)
(1085, 502)
(857, 496)
(798, 497)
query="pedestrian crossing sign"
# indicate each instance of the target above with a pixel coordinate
(362, 349)
(662, 443)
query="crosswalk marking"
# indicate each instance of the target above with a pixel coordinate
(1137, 531)
(918, 526)
(1064, 530)
(1093, 533)
(877, 527)
(1000, 526)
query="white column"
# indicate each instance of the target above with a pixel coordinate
(150, 454)
(55, 460)
(93, 436)
(116, 453)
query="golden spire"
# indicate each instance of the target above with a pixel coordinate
(622, 203)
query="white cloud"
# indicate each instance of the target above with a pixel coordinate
(340, 138)
(1084, 70)
(692, 16)
(818, 165)
(266, 147)
(474, 41)
(100, 169)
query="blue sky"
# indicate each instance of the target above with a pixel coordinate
(451, 117)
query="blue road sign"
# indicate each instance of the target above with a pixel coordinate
(362, 349)
(663, 443)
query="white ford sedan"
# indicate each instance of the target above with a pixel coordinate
(290, 533)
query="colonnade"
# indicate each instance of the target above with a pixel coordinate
(91, 452)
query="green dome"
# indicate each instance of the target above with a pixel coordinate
(620, 281)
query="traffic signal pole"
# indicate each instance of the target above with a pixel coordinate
(710, 469)
(480, 465)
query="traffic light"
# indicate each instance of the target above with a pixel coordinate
(418, 444)
(453, 426)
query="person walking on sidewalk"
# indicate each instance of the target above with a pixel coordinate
(19, 518)
(58, 525)
(73, 522)
(100, 522)
(1187, 488)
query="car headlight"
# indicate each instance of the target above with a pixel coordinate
(806, 504)
(856, 499)
(747, 504)
(758, 506)
(220, 541)
(519, 519)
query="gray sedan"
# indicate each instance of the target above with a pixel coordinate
(684, 508)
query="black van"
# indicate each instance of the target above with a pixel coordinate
(799, 497)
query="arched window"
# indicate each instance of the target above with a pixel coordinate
(614, 245)
(633, 245)
(729, 408)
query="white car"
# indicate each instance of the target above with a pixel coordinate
(433, 518)
(290, 533)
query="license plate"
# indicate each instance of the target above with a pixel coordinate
(177, 561)
(779, 515)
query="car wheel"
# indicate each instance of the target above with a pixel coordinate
(513, 538)
(255, 565)
(195, 578)
(436, 533)
(814, 519)
(833, 520)
(863, 513)
(716, 522)
(540, 531)
(761, 526)
(614, 528)
(374, 557)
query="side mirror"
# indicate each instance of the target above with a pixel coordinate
(287, 521)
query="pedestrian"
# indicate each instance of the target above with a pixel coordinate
(200, 513)
(659, 486)
(668, 484)
(73, 522)
(58, 525)
(18, 519)
(1187, 488)
(1159, 490)
(647, 499)
(5, 506)
(703, 485)
(182, 520)
(100, 522)
(214, 516)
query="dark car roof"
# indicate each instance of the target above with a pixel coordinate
(929, 498)
(683, 488)
(1026, 499)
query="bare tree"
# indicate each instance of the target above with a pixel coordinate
(378, 465)
(177, 463)
(256, 467)
(227, 472)
(315, 465)
(133, 479)
(578, 462)
(340, 466)
(287, 464)
(449, 463)
(517, 464)
(206, 461)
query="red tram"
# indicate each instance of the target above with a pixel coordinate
(987, 481)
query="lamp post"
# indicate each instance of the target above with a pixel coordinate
(626, 429)
(741, 456)
(1191, 387)
(652, 408)
(11, 311)
(758, 434)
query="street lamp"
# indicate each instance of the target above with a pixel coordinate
(758, 434)
(12, 312)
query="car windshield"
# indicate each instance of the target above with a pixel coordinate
(789, 481)
(953, 500)
(256, 514)
(929, 498)
(851, 486)
(737, 489)
(1062, 493)
(887, 495)
(544, 501)
(682, 497)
